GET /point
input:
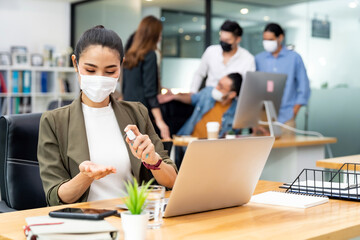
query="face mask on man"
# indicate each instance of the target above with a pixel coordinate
(97, 88)
(217, 95)
(226, 47)
(270, 45)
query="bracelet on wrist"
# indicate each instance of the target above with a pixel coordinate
(151, 166)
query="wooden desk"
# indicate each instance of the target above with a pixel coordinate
(289, 156)
(283, 142)
(301, 141)
(336, 163)
(334, 220)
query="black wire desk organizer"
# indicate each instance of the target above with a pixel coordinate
(343, 183)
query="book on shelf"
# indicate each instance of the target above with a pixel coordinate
(26, 82)
(46, 227)
(15, 105)
(15, 81)
(3, 106)
(64, 85)
(20, 82)
(44, 82)
(26, 105)
(3, 88)
(289, 199)
(19, 105)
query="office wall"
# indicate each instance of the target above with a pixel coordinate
(178, 72)
(333, 61)
(121, 16)
(154, 11)
(334, 112)
(34, 23)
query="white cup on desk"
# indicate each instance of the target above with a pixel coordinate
(212, 130)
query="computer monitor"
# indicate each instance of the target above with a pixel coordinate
(259, 89)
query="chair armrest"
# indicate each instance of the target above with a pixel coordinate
(4, 208)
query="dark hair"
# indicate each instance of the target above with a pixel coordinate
(231, 26)
(236, 82)
(145, 39)
(274, 28)
(129, 42)
(99, 35)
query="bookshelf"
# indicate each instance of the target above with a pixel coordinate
(31, 89)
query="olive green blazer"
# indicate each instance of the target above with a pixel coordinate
(63, 144)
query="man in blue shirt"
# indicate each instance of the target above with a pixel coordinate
(211, 104)
(278, 59)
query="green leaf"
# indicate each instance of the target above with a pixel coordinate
(135, 201)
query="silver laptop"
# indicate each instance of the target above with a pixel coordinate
(218, 174)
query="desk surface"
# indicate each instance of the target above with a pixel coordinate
(336, 163)
(283, 142)
(334, 220)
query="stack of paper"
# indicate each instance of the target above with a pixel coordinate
(48, 228)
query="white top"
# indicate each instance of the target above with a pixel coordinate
(106, 147)
(212, 65)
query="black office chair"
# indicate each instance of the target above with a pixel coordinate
(20, 182)
(56, 104)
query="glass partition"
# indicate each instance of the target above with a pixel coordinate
(120, 16)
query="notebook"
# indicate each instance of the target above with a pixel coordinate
(289, 199)
(45, 227)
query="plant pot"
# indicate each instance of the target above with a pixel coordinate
(230, 136)
(134, 226)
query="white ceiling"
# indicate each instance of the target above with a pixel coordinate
(199, 5)
(273, 3)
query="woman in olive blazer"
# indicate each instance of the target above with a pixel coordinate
(67, 171)
(64, 146)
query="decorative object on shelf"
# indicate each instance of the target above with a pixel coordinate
(5, 59)
(68, 53)
(19, 56)
(48, 55)
(20, 59)
(37, 59)
(60, 60)
(135, 220)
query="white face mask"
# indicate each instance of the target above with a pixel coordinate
(217, 95)
(270, 45)
(97, 88)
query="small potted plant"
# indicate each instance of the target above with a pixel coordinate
(230, 134)
(135, 220)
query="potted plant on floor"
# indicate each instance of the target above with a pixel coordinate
(135, 220)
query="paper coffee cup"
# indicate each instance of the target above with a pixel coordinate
(212, 130)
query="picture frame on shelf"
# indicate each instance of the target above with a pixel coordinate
(19, 56)
(5, 59)
(37, 59)
(20, 59)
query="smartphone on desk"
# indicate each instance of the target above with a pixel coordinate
(83, 213)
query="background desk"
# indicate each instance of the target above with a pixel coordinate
(336, 163)
(289, 156)
(334, 220)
